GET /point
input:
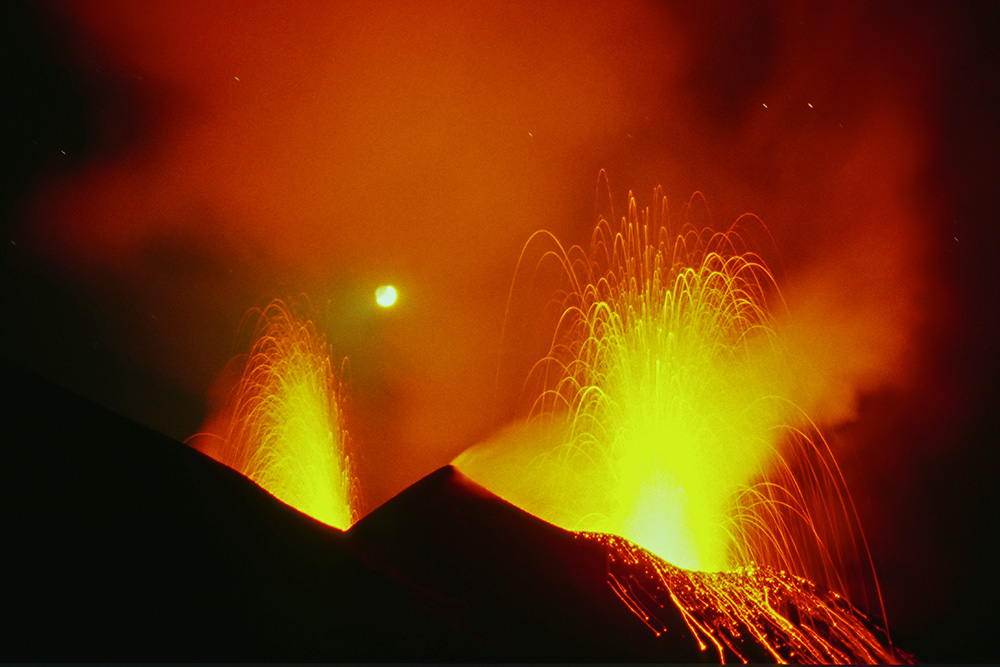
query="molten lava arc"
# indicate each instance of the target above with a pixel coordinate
(665, 414)
(661, 381)
(282, 423)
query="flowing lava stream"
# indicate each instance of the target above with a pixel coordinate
(754, 614)
(282, 423)
(668, 417)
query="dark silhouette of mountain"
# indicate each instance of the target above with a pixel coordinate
(522, 587)
(124, 545)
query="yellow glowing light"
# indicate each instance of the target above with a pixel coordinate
(385, 295)
(665, 417)
(283, 424)
(669, 399)
(666, 412)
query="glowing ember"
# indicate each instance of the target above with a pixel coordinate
(282, 426)
(754, 614)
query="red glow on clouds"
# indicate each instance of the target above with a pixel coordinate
(333, 147)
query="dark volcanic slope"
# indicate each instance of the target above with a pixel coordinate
(125, 545)
(122, 544)
(523, 588)
(526, 590)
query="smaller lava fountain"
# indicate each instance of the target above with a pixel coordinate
(282, 424)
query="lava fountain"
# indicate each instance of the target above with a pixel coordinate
(662, 386)
(282, 424)
(666, 409)
(665, 414)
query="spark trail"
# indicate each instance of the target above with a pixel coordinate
(753, 614)
(282, 423)
(661, 374)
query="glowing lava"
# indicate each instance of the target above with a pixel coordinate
(282, 425)
(666, 416)
(661, 380)
(754, 614)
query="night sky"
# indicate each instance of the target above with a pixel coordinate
(170, 165)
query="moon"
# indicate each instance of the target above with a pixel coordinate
(385, 295)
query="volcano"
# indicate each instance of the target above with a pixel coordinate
(124, 545)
